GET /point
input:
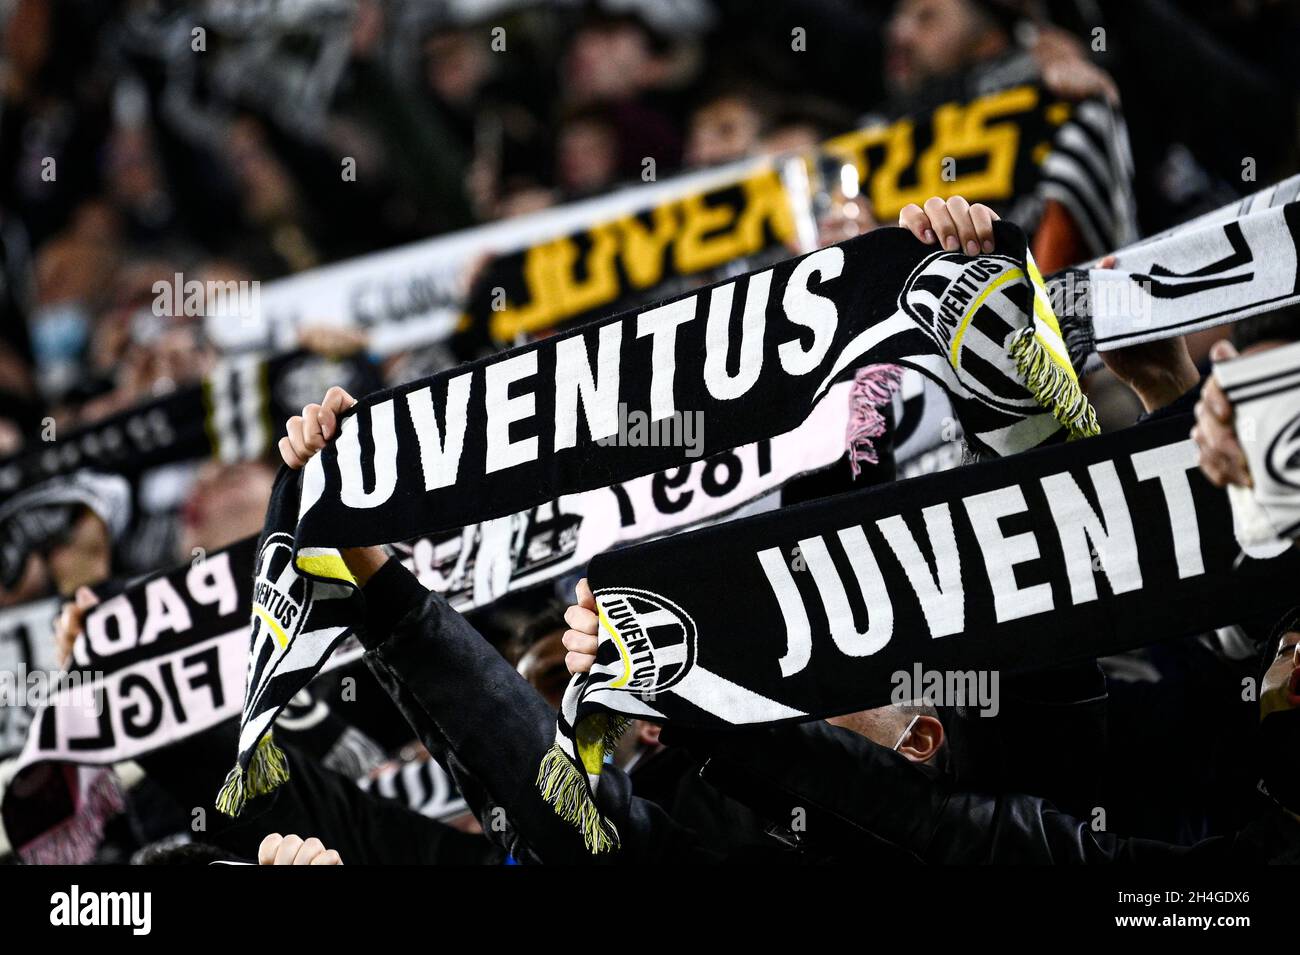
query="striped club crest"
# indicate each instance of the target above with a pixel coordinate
(973, 308)
(655, 639)
(280, 596)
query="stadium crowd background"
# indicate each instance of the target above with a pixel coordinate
(225, 164)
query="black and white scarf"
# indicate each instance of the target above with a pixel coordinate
(420, 785)
(531, 425)
(1237, 261)
(26, 658)
(749, 358)
(1265, 393)
(231, 416)
(301, 611)
(159, 662)
(1061, 554)
(1231, 263)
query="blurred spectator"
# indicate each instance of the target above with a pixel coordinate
(226, 503)
(618, 61)
(728, 124)
(588, 155)
(930, 40)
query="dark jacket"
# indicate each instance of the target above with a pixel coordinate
(852, 791)
(366, 829)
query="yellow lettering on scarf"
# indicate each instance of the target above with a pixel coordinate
(550, 271)
(644, 248)
(704, 231)
(958, 131)
(715, 234)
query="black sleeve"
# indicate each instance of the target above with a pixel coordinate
(847, 784)
(1058, 714)
(364, 828)
(314, 801)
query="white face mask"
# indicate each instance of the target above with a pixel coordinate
(906, 732)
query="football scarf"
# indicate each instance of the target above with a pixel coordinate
(1264, 389)
(1062, 554)
(26, 662)
(415, 294)
(1231, 263)
(300, 612)
(231, 416)
(1237, 261)
(161, 661)
(157, 663)
(1015, 144)
(420, 785)
(747, 359)
(750, 357)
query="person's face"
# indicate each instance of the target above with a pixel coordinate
(790, 138)
(458, 65)
(927, 39)
(587, 157)
(175, 358)
(1280, 688)
(83, 557)
(606, 63)
(226, 503)
(721, 131)
(880, 725)
(542, 665)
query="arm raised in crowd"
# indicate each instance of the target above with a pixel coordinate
(476, 715)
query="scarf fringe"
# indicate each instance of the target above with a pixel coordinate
(1077, 333)
(76, 839)
(564, 786)
(266, 770)
(873, 389)
(1053, 387)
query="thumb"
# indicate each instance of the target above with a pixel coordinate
(586, 599)
(85, 598)
(337, 399)
(1223, 350)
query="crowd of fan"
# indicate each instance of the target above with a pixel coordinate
(222, 161)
